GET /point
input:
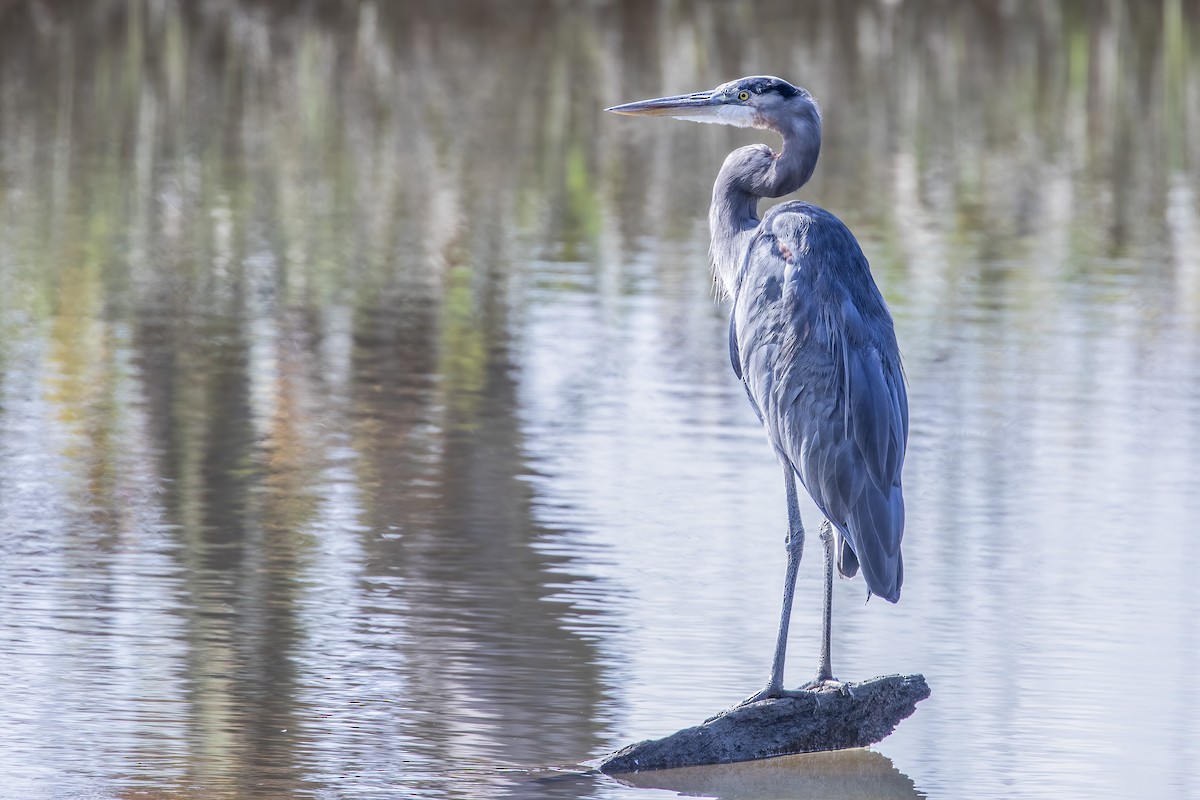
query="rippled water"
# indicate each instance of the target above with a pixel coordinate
(367, 429)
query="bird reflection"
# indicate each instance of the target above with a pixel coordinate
(857, 773)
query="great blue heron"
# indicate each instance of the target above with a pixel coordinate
(811, 339)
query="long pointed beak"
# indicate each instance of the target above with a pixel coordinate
(697, 104)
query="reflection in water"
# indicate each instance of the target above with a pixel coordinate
(366, 425)
(828, 776)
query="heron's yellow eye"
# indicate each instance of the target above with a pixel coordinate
(743, 95)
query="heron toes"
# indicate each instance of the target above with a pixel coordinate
(770, 693)
(775, 693)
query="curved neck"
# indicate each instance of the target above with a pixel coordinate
(751, 173)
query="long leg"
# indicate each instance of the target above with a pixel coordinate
(795, 550)
(824, 671)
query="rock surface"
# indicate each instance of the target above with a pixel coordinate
(831, 717)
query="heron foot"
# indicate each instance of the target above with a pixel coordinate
(771, 693)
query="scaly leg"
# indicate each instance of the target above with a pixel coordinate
(825, 680)
(795, 549)
(824, 670)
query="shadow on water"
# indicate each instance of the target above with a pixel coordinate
(365, 415)
(834, 775)
(830, 776)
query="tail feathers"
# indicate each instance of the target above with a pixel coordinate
(874, 531)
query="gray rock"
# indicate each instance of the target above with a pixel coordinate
(830, 717)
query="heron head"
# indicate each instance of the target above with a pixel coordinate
(758, 101)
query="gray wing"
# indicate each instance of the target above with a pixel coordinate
(815, 346)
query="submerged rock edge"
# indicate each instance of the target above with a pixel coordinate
(858, 715)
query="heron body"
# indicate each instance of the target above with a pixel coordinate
(811, 339)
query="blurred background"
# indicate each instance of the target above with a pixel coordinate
(367, 427)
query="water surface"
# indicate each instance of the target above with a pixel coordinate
(367, 428)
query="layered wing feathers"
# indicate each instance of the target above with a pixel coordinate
(813, 342)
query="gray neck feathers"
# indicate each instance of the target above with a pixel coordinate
(754, 172)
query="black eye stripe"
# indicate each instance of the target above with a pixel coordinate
(762, 86)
